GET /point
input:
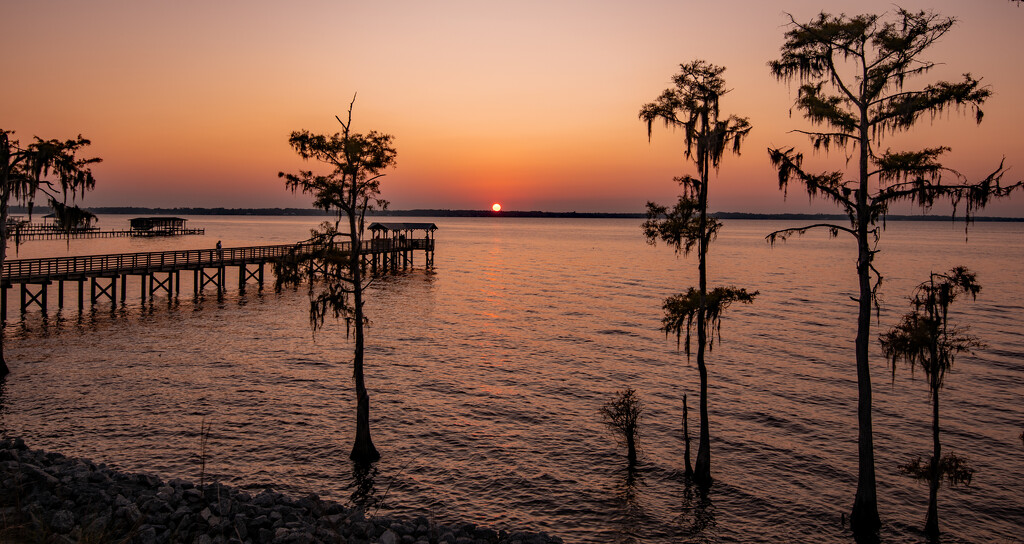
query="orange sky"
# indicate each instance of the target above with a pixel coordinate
(529, 103)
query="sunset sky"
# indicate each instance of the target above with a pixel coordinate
(532, 104)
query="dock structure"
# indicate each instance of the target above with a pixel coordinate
(139, 227)
(160, 226)
(160, 271)
(401, 242)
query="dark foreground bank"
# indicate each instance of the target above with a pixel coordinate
(48, 497)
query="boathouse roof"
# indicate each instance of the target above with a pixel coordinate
(159, 218)
(397, 227)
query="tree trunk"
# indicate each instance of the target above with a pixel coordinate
(931, 523)
(631, 449)
(686, 440)
(864, 518)
(702, 471)
(363, 451)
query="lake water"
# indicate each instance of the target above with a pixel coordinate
(486, 375)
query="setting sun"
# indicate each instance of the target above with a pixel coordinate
(496, 207)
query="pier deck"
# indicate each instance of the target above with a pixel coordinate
(161, 270)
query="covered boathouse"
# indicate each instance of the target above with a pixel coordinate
(160, 226)
(393, 244)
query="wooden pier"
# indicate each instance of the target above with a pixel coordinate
(21, 235)
(140, 227)
(160, 271)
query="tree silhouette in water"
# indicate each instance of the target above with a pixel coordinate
(50, 167)
(693, 106)
(853, 74)
(925, 339)
(622, 415)
(334, 253)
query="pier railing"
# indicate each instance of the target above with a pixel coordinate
(58, 268)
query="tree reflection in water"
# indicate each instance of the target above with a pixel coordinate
(696, 520)
(364, 487)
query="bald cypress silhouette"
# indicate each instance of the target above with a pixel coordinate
(334, 253)
(623, 414)
(854, 76)
(925, 339)
(693, 106)
(48, 168)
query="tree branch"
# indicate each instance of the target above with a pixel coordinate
(784, 234)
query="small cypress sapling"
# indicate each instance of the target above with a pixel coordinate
(623, 414)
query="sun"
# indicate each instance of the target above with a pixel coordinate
(496, 207)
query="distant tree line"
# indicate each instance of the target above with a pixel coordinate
(434, 212)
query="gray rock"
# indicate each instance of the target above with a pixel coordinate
(388, 537)
(146, 535)
(82, 501)
(260, 521)
(264, 499)
(240, 528)
(62, 522)
(121, 501)
(489, 535)
(99, 524)
(36, 473)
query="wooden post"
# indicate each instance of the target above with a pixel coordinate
(81, 294)
(23, 295)
(60, 294)
(3, 304)
(221, 283)
(124, 287)
(195, 282)
(241, 277)
(43, 303)
(92, 291)
(261, 275)
(177, 282)
(142, 287)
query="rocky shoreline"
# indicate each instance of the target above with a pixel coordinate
(45, 496)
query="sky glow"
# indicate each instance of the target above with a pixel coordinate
(532, 104)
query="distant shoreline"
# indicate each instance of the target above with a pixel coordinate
(140, 211)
